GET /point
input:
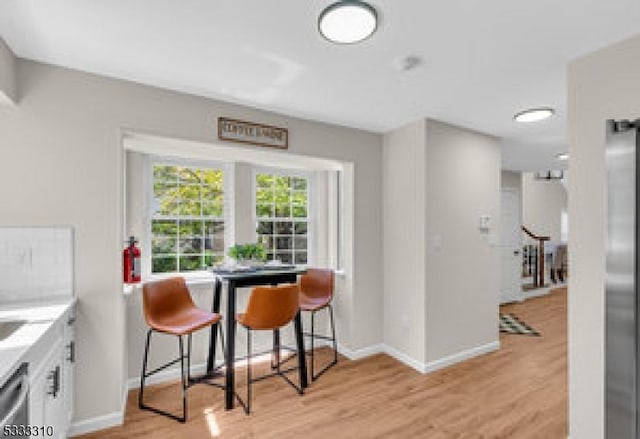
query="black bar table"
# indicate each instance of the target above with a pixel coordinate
(238, 279)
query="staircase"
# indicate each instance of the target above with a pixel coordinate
(533, 259)
(538, 265)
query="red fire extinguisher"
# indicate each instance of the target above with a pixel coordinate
(131, 262)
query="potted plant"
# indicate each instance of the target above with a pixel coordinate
(248, 254)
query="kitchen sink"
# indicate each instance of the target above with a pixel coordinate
(8, 327)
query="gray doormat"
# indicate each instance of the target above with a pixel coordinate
(511, 324)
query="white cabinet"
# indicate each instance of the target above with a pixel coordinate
(47, 391)
(51, 378)
(69, 364)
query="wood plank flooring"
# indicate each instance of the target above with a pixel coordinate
(518, 392)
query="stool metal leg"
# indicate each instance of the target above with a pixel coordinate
(313, 337)
(246, 404)
(204, 379)
(146, 374)
(224, 351)
(143, 375)
(275, 355)
(333, 334)
(248, 408)
(182, 376)
(276, 348)
(188, 359)
(333, 339)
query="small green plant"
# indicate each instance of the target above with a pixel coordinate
(248, 251)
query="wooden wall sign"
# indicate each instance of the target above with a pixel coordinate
(252, 133)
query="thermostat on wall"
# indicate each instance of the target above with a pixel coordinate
(485, 223)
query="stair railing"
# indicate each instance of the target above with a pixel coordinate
(538, 278)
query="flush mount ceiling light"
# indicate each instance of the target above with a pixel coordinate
(348, 21)
(563, 156)
(534, 115)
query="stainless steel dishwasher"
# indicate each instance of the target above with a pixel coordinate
(14, 404)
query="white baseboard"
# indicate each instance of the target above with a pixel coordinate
(404, 358)
(360, 353)
(98, 423)
(415, 364)
(467, 354)
(538, 292)
(530, 294)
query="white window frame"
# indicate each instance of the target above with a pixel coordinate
(227, 179)
(285, 172)
(336, 217)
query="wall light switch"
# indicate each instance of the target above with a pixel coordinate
(485, 223)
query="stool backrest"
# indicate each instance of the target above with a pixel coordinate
(164, 298)
(271, 307)
(317, 282)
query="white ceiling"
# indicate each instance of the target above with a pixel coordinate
(482, 61)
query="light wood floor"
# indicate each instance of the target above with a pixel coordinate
(518, 392)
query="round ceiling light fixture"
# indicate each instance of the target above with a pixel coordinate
(562, 156)
(534, 115)
(348, 21)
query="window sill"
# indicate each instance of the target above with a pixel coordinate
(192, 279)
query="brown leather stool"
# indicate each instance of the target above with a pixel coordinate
(169, 308)
(316, 293)
(269, 308)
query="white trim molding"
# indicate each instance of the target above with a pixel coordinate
(467, 354)
(542, 291)
(359, 353)
(90, 425)
(405, 359)
(419, 366)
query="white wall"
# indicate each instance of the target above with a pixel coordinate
(404, 175)
(511, 180)
(8, 89)
(463, 265)
(603, 85)
(441, 272)
(64, 165)
(543, 203)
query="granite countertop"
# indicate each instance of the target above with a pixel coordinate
(39, 317)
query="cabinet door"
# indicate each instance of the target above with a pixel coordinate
(37, 393)
(54, 406)
(51, 379)
(69, 368)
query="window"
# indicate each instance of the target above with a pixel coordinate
(282, 214)
(187, 220)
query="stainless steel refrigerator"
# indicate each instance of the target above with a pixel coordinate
(622, 304)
